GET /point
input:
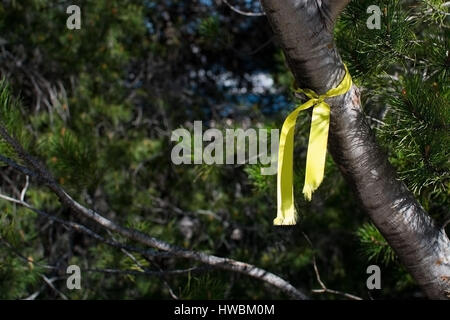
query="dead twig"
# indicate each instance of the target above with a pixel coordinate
(243, 13)
(324, 288)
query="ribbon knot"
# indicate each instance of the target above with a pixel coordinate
(317, 148)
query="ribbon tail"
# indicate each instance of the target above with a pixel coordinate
(286, 214)
(317, 149)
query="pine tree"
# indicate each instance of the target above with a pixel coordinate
(97, 107)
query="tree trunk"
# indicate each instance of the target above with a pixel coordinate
(304, 29)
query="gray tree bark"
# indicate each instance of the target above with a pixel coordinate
(304, 29)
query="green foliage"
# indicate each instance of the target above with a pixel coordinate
(212, 35)
(11, 120)
(418, 124)
(203, 287)
(364, 49)
(404, 68)
(209, 28)
(17, 277)
(72, 160)
(374, 246)
(19, 272)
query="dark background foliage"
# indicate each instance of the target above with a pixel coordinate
(98, 106)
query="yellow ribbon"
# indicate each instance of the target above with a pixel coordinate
(317, 149)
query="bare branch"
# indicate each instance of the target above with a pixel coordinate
(132, 234)
(219, 262)
(326, 290)
(319, 280)
(24, 190)
(37, 293)
(83, 229)
(18, 167)
(11, 184)
(50, 284)
(161, 273)
(244, 13)
(147, 272)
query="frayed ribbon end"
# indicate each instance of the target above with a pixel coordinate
(307, 192)
(285, 221)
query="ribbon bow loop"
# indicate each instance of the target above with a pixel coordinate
(309, 93)
(317, 148)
